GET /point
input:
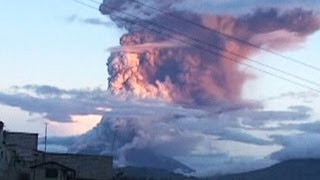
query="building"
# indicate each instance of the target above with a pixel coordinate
(21, 160)
(52, 170)
(86, 166)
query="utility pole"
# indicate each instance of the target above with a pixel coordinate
(45, 138)
(113, 149)
(45, 142)
(114, 141)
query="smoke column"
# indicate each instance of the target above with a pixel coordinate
(186, 74)
(149, 65)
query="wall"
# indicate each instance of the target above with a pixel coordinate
(4, 158)
(40, 174)
(22, 140)
(14, 148)
(86, 166)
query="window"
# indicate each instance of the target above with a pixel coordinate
(24, 176)
(51, 173)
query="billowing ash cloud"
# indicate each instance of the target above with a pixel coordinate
(187, 74)
(206, 116)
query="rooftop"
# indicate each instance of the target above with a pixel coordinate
(75, 155)
(22, 133)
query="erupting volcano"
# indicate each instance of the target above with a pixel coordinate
(165, 58)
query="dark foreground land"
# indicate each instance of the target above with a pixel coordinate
(302, 169)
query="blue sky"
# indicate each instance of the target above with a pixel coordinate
(265, 85)
(39, 45)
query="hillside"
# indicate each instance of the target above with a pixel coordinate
(303, 169)
(299, 169)
(135, 173)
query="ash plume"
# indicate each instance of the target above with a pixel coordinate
(186, 74)
(152, 66)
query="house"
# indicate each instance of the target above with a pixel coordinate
(52, 171)
(21, 160)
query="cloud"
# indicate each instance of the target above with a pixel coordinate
(305, 96)
(220, 164)
(145, 47)
(71, 18)
(180, 133)
(166, 131)
(300, 146)
(57, 104)
(97, 21)
(89, 21)
(310, 127)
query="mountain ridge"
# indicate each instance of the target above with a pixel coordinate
(294, 169)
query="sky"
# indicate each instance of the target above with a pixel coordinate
(61, 48)
(47, 43)
(39, 41)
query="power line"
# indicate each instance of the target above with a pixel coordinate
(205, 49)
(228, 36)
(84, 4)
(220, 49)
